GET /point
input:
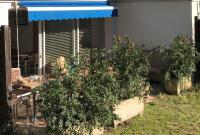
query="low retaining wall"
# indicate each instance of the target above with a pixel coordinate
(98, 131)
(128, 109)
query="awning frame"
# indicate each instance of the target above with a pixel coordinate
(65, 9)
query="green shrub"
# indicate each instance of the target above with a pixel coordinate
(182, 57)
(132, 66)
(99, 89)
(79, 102)
(85, 99)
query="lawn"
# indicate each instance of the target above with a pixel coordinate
(167, 115)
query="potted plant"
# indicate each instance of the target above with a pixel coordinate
(182, 57)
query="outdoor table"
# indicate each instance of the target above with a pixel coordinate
(29, 87)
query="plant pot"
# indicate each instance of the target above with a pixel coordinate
(128, 109)
(175, 87)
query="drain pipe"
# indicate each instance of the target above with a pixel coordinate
(74, 38)
(44, 47)
(17, 32)
(77, 30)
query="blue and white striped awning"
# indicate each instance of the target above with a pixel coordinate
(67, 9)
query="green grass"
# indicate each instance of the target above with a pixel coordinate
(167, 115)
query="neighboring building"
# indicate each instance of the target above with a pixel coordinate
(157, 22)
(4, 6)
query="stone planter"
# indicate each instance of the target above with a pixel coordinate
(128, 109)
(96, 131)
(173, 87)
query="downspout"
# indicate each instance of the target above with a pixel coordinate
(77, 34)
(17, 32)
(39, 48)
(74, 38)
(44, 48)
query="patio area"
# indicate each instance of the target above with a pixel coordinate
(162, 116)
(39, 128)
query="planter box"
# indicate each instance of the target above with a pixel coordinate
(98, 131)
(128, 109)
(173, 87)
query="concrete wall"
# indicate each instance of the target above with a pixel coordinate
(4, 13)
(154, 22)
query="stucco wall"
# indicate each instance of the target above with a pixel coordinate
(154, 23)
(4, 13)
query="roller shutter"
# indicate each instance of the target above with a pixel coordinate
(98, 33)
(91, 33)
(59, 37)
(58, 40)
(84, 34)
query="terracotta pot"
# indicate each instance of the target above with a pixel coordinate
(175, 87)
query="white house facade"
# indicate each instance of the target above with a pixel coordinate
(4, 6)
(156, 22)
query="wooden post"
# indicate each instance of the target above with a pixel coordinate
(5, 73)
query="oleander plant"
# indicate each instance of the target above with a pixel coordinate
(77, 103)
(132, 66)
(80, 101)
(182, 58)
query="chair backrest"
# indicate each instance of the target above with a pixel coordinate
(32, 64)
(15, 74)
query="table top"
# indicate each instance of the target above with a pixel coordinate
(29, 85)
